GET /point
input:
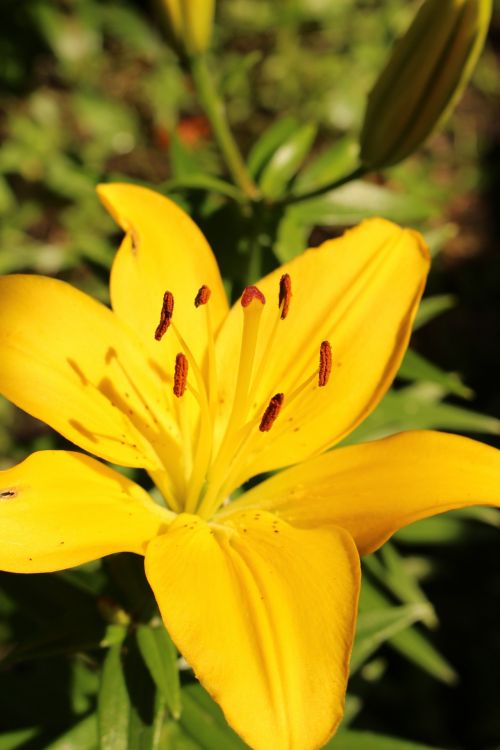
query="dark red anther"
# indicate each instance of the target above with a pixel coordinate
(180, 375)
(203, 296)
(167, 311)
(285, 295)
(271, 413)
(325, 363)
(250, 293)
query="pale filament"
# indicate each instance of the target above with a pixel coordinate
(209, 477)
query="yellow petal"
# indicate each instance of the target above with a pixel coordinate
(374, 489)
(70, 362)
(265, 615)
(59, 509)
(360, 293)
(162, 250)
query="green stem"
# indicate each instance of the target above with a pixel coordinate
(354, 175)
(254, 267)
(215, 111)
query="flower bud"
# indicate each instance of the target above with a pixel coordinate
(191, 23)
(424, 77)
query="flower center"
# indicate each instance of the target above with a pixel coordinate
(210, 467)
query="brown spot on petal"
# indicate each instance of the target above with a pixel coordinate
(8, 494)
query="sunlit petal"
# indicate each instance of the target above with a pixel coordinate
(163, 250)
(67, 360)
(60, 509)
(375, 488)
(264, 613)
(360, 293)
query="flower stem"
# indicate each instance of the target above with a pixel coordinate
(215, 111)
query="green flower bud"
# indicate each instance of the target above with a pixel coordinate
(424, 77)
(191, 23)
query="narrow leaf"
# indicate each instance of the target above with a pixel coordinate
(203, 721)
(431, 307)
(358, 200)
(331, 164)
(286, 160)
(204, 182)
(160, 657)
(265, 146)
(113, 703)
(416, 367)
(377, 626)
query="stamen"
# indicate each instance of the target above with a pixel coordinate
(167, 311)
(271, 413)
(180, 375)
(285, 295)
(203, 296)
(325, 363)
(250, 293)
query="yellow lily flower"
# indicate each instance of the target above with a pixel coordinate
(259, 594)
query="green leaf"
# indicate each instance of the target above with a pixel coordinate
(83, 736)
(7, 199)
(411, 643)
(416, 367)
(204, 722)
(353, 740)
(378, 625)
(204, 182)
(388, 568)
(160, 657)
(183, 161)
(286, 160)
(291, 238)
(130, 711)
(445, 529)
(331, 164)
(353, 705)
(14, 740)
(114, 707)
(418, 407)
(173, 737)
(489, 516)
(358, 200)
(437, 238)
(265, 146)
(431, 307)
